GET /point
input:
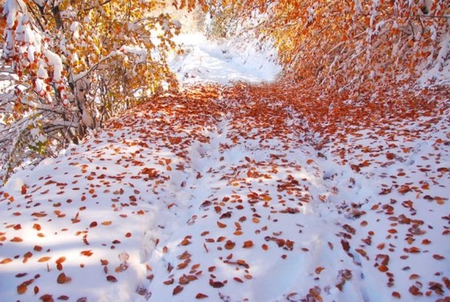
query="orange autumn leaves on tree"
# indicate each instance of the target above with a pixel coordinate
(349, 43)
(72, 65)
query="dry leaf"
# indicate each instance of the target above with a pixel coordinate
(22, 288)
(248, 244)
(62, 279)
(44, 259)
(178, 289)
(319, 269)
(111, 278)
(6, 260)
(201, 296)
(86, 253)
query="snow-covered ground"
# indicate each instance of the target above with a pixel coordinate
(215, 196)
(223, 62)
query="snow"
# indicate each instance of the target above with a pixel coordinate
(222, 62)
(225, 198)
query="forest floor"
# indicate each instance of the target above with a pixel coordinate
(242, 192)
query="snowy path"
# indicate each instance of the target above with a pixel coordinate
(219, 194)
(222, 62)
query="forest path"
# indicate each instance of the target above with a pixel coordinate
(239, 193)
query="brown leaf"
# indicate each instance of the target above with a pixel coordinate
(62, 278)
(345, 245)
(44, 259)
(319, 269)
(248, 244)
(201, 296)
(111, 278)
(104, 261)
(216, 284)
(229, 245)
(22, 288)
(46, 298)
(221, 225)
(178, 289)
(415, 291)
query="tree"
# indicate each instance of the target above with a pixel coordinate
(349, 45)
(72, 64)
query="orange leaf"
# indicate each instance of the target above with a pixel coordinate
(248, 244)
(6, 260)
(44, 259)
(22, 288)
(86, 253)
(221, 225)
(16, 239)
(267, 198)
(201, 296)
(319, 269)
(229, 245)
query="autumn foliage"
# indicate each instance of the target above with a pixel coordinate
(75, 64)
(348, 44)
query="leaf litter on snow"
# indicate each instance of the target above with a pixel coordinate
(192, 197)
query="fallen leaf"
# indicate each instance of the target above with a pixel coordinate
(248, 244)
(62, 279)
(86, 253)
(178, 289)
(201, 296)
(22, 288)
(6, 260)
(111, 278)
(319, 269)
(46, 298)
